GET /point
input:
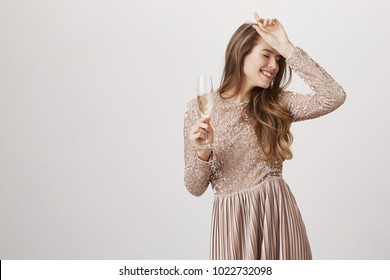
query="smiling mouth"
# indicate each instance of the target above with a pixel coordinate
(266, 74)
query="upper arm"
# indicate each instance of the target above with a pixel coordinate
(310, 106)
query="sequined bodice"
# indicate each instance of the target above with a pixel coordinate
(235, 163)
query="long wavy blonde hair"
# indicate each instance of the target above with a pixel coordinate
(272, 120)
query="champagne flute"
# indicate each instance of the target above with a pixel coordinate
(206, 99)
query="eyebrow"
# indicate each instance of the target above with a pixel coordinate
(270, 52)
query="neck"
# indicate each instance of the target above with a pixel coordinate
(241, 96)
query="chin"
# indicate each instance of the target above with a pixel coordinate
(262, 85)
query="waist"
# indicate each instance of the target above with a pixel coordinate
(230, 189)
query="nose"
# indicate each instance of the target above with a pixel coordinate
(272, 63)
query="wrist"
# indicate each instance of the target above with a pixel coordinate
(286, 49)
(204, 154)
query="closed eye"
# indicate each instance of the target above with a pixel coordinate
(277, 58)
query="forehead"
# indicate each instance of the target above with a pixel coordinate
(261, 45)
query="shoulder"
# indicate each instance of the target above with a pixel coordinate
(282, 95)
(287, 97)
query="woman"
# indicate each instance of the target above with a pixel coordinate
(255, 215)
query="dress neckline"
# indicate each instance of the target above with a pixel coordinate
(231, 104)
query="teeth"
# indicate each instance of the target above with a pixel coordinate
(266, 73)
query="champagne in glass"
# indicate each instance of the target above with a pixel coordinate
(205, 103)
(206, 99)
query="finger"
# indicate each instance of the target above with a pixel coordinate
(266, 22)
(274, 21)
(200, 127)
(195, 131)
(200, 135)
(194, 128)
(260, 29)
(205, 120)
(200, 122)
(204, 126)
(197, 135)
(202, 119)
(257, 18)
(261, 25)
(199, 130)
(269, 23)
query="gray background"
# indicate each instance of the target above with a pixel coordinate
(92, 99)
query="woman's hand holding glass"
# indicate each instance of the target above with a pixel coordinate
(200, 132)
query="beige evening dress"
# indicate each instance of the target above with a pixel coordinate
(255, 215)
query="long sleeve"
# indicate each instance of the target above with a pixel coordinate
(197, 172)
(327, 94)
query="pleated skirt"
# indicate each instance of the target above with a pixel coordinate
(259, 223)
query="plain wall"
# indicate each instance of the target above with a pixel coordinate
(92, 100)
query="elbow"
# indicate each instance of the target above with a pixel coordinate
(341, 99)
(195, 191)
(336, 95)
(195, 188)
(338, 99)
(196, 180)
(343, 96)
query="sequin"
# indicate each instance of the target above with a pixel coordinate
(235, 164)
(255, 215)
